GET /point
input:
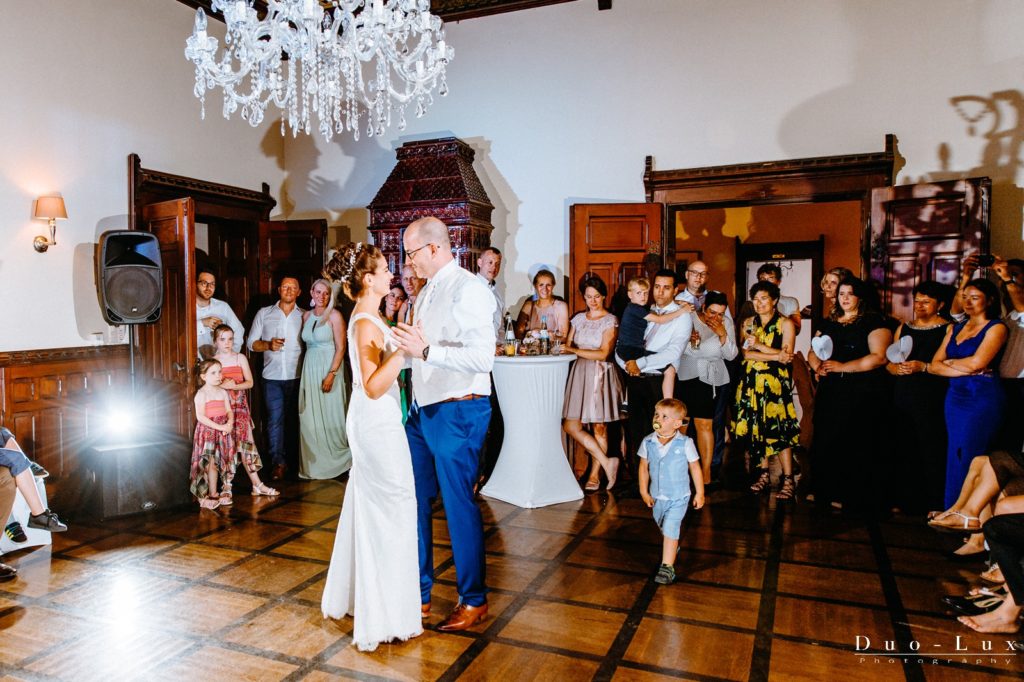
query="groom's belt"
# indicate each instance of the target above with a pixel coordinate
(471, 396)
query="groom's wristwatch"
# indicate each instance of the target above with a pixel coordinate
(426, 351)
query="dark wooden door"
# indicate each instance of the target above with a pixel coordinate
(292, 247)
(920, 232)
(611, 241)
(168, 346)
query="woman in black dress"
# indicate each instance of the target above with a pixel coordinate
(849, 407)
(918, 420)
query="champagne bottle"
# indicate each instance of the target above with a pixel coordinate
(545, 338)
(510, 336)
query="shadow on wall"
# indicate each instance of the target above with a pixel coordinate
(998, 120)
(85, 294)
(504, 218)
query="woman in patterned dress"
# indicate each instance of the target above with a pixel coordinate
(765, 415)
(237, 380)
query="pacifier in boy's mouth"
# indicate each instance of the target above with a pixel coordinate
(657, 425)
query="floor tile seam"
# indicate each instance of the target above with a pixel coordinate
(305, 584)
(832, 600)
(28, 674)
(255, 651)
(546, 648)
(296, 557)
(696, 622)
(464, 660)
(912, 671)
(627, 631)
(220, 633)
(335, 671)
(831, 567)
(671, 672)
(619, 543)
(759, 669)
(866, 544)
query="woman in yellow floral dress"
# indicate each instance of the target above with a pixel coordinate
(765, 416)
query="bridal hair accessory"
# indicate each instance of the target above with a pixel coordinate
(899, 351)
(822, 347)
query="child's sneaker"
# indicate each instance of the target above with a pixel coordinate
(15, 532)
(46, 521)
(666, 575)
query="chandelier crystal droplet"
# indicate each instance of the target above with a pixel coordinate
(328, 66)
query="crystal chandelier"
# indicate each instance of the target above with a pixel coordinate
(334, 65)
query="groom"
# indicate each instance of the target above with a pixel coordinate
(452, 351)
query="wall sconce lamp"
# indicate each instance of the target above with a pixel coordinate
(52, 209)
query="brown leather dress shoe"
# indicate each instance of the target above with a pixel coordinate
(464, 616)
(425, 611)
(7, 572)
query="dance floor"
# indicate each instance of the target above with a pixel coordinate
(764, 593)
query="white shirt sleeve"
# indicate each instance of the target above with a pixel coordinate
(642, 452)
(256, 332)
(691, 450)
(672, 352)
(473, 312)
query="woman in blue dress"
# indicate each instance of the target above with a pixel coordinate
(974, 401)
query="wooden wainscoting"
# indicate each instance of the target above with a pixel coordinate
(52, 399)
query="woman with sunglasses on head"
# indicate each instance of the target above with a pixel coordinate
(969, 354)
(849, 407)
(765, 416)
(703, 372)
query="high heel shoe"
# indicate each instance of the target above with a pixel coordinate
(787, 490)
(762, 483)
(613, 473)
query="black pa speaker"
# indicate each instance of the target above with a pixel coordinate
(129, 277)
(125, 478)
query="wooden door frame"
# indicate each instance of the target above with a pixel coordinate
(811, 180)
(811, 249)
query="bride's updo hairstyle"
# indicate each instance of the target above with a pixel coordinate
(349, 264)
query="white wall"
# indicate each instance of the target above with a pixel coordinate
(85, 84)
(562, 104)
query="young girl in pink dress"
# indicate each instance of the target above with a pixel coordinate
(237, 380)
(213, 449)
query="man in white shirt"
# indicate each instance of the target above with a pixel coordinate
(665, 342)
(211, 312)
(452, 351)
(488, 266)
(276, 332)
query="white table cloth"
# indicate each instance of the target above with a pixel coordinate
(532, 469)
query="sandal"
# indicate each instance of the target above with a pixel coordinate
(264, 490)
(957, 527)
(209, 503)
(225, 498)
(993, 574)
(787, 489)
(762, 483)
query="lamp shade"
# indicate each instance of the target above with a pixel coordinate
(51, 207)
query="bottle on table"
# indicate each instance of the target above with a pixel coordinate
(545, 338)
(510, 336)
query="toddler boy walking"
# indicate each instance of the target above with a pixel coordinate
(668, 461)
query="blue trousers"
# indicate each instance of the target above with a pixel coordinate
(445, 440)
(282, 403)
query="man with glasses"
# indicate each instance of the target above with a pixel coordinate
(211, 312)
(276, 332)
(452, 352)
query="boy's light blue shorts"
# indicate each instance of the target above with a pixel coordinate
(669, 516)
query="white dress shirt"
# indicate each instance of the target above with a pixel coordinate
(665, 341)
(499, 333)
(455, 310)
(271, 323)
(221, 309)
(1012, 366)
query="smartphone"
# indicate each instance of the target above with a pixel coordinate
(986, 260)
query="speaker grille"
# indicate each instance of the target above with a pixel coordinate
(133, 293)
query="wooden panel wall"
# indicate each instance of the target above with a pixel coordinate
(53, 399)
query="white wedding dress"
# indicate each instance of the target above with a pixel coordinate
(374, 572)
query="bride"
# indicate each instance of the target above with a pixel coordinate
(374, 572)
